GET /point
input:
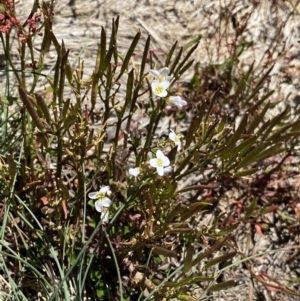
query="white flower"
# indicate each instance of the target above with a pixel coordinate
(134, 171)
(102, 202)
(161, 75)
(159, 88)
(160, 162)
(167, 170)
(176, 101)
(176, 139)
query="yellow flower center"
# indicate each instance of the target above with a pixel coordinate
(159, 89)
(100, 196)
(160, 162)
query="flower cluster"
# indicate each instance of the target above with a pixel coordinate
(161, 84)
(102, 203)
(160, 162)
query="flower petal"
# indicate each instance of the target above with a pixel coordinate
(92, 195)
(164, 71)
(160, 170)
(154, 73)
(165, 84)
(104, 217)
(166, 161)
(134, 171)
(153, 162)
(178, 101)
(104, 189)
(160, 154)
(106, 202)
(98, 206)
(172, 135)
(167, 170)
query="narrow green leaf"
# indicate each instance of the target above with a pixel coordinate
(259, 84)
(145, 56)
(63, 74)
(271, 151)
(44, 108)
(102, 47)
(113, 39)
(170, 54)
(187, 56)
(187, 264)
(107, 60)
(245, 145)
(31, 110)
(191, 210)
(96, 76)
(177, 58)
(257, 119)
(65, 109)
(220, 259)
(129, 54)
(222, 286)
(251, 208)
(179, 283)
(185, 67)
(210, 251)
(174, 213)
(192, 42)
(163, 251)
(129, 87)
(69, 121)
(237, 134)
(46, 43)
(245, 173)
(186, 298)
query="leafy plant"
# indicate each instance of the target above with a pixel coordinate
(85, 147)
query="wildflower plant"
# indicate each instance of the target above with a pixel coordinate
(121, 215)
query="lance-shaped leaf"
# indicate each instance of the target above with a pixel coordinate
(191, 210)
(257, 119)
(170, 54)
(182, 297)
(46, 43)
(210, 251)
(245, 145)
(180, 283)
(63, 74)
(253, 157)
(113, 39)
(129, 88)
(222, 286)
(43, 106)
(187, 264)
(180, 66)
(174, 213)
(219, 259)
(163, 251)
(31, 110)
(192, 42)
(177, 58)
(145, 56)
(246, 172)
(129, 54)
